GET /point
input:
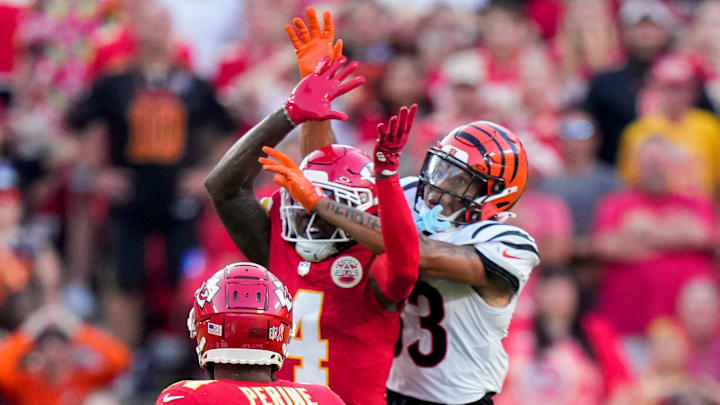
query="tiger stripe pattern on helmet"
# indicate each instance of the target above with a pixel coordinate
(493, 153)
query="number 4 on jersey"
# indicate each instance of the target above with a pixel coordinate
(307, 345)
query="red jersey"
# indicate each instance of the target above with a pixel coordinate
(196, 392)
(344, 338)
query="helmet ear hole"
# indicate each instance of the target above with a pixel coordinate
(498, 186)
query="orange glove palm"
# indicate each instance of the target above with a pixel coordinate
(312, 44)
(289, 176)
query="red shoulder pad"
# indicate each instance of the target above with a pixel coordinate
(181, 393)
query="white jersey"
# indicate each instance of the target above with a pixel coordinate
(451, 349)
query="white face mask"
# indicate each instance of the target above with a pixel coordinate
(315, 251)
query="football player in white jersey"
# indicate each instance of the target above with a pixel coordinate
(472, 265)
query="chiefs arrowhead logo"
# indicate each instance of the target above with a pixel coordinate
(207, 291)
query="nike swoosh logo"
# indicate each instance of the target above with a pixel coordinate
(506, 254)
(168, 398)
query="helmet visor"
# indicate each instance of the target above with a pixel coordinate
(450, 177)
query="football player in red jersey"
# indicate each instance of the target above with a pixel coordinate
(242, 320)
(346, 297)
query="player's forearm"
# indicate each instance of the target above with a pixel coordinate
(363, 227)
(239, 167)
(399, 237)
(437, 259)
(459, 263)
(314, 135)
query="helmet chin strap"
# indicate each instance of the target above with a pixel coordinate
(315, 251)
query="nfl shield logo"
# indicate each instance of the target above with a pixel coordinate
(303, 268)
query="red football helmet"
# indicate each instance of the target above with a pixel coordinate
(241, 315)
(480, 165)
(345, 175)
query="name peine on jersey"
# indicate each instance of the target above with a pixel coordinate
(197, 392)
(451, 340)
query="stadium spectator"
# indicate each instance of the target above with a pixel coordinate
(209, 26)
(256, 73)
(584, 179)
(162, 124)
(563, 356)
(587, 43)
(519, 83)
(9, 16)
(55, 359)
(668, 380)
(652, 241)
(647, 27)
(705, 49)
(367, 31)
(698, 311)
(53, 44)
(548, 218)
(115, 44)
(30, 268)
(673, 90)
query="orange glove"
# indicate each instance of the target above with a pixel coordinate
(312, 45)
(289, 176)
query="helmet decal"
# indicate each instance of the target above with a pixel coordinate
(475, 172)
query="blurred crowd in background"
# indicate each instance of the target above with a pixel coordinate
(112, 112)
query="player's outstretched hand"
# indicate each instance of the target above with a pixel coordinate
(311, 43)
(392, 138)
(310, 99)
(289, 176)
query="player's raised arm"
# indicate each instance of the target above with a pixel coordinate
(230, 184)
(311, 44)
(396, 270)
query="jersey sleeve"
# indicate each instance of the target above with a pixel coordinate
(506, 251)
(396, 270)
(177, 394)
